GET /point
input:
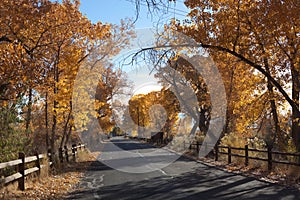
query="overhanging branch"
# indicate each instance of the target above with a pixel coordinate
(237, 55)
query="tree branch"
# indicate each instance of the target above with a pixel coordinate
(237, 55)
(5, 39)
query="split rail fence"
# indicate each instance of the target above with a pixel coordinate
(33, 164)
(266, 155)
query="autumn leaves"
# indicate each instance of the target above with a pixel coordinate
(42, 46)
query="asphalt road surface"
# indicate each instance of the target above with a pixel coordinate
(182, 179)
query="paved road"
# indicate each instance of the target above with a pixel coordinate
(183, 179)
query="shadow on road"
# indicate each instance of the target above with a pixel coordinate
(204, 183)
(182, 179)
(127, 146)
(121, 144)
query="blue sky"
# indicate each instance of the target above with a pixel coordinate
(112, 11)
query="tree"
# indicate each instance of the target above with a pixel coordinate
(153, 112)
(63, 25)
(263, 35)
(103, 82)
(253, 32)
(190, 77)
(111, 84)
(46, 42)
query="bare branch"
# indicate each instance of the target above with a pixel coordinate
(235, 54)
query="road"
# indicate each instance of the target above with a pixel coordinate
(182, 179)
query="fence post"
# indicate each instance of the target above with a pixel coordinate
(217, 153)
(60, 154)
(197, 148)
(21, 170)
(75, 147)
(269, 159)
(246, 155)
(38, 163)
(229, 155)
(190, 147)
(74, 152)
(66, 153)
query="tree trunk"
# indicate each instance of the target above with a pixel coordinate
(68, 135)
(204, 119)
(46, 121)
(66, 127)
(64, 135)
(55, 104)
(52, 141)
(229, 111)
(278, 132)
(275, 118)
(29, 110)
(295, 112)
(296, 130)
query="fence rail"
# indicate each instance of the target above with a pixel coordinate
(65, 153)
(240, 152)
(244, 153)
(22, 162)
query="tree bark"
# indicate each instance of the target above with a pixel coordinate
(29, 110)
(46, 121)
(55, 103)
(66, 127)
(277, 128)
(229, 111)
(54, 119)
(68, 135)
(295, 112)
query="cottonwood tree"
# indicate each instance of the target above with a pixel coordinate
(263, 35)
(254, 33)
(195, 101)
(112, 84)
(155, 111)
(42, 46)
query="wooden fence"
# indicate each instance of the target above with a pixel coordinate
(65, 153)
(22, 165)
(269, 156)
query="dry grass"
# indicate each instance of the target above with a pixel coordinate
(54, 185)
(281, 174)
